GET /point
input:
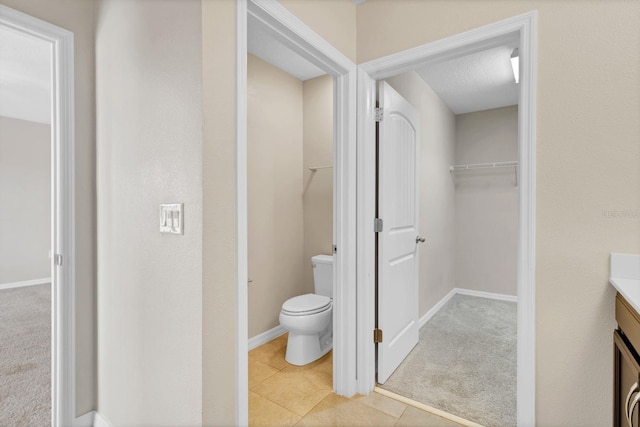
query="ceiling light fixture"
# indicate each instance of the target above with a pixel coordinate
(515, 64)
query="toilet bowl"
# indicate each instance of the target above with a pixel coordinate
(309, 318)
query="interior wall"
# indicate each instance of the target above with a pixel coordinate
(486, 202)
(219, 205)
(25, 185)
(587, 153)
(436, 189)
(333, 20)
(149, 139)
(77, 16)
(318, 186)
(275, 221)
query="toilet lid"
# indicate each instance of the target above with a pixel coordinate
(306, 304)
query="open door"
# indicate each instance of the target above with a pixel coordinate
(397, 227)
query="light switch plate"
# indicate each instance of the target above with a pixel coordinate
(172, 218)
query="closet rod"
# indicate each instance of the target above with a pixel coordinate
(472, 166)
(315, 168)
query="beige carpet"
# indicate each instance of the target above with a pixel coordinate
(465, 362)
(25, 356)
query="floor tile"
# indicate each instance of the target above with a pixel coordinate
(259, 372)
(296, 390)
(419, 418)
(263, 412)
(382, 403)
(272, 353)
(283, 394)
(325, 364)
(320, 372)
(336, 410)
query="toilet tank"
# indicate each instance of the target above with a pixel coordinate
(323, 275)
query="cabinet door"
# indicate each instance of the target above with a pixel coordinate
(626, 382)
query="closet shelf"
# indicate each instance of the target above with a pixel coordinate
(476, 166)
(472, 166)
(315, 168)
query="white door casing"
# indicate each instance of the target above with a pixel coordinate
(524, 29)
(397, 242)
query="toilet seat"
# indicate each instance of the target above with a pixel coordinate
(304, 305)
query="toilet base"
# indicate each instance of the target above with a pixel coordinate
(303, 348)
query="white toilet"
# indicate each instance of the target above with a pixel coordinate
(309, 318)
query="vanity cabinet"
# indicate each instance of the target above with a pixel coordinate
(626, 339)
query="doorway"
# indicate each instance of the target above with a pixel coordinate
(465, 298)
(290, 228)
(303, 41)
(521, 30)
(25, 227)
(58, 43)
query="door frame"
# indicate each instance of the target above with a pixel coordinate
(294, 34)
(62, 209)
(523, 28)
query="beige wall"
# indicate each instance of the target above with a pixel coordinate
(149, 139)
(333, 20)
(76, 16)
(318, 186)
(290, 128)
(275, 221)
(25, 188)
(219, 288)
(588, 104)
(436, 188)
(487, 202)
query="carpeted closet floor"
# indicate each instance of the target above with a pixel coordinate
(25, 356)
(465, 362)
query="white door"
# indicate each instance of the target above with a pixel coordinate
(398, 240)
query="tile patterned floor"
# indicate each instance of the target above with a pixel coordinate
(281, 394)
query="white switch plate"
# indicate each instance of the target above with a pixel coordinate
(172, 218)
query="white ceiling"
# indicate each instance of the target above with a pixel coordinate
(265, 46)
(476, 82)
(25, 76)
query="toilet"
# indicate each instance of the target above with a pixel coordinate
(309, 318)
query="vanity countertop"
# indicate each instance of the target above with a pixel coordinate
(625, 277)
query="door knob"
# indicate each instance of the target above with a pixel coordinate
(420, 239)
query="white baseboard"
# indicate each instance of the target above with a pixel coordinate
(490, 295)
(100, 421)
(25, 283)
(265, 337)
(500, 297)
(429, 314)
(85, 420)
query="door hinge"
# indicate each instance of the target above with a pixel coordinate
(377, 336)
(377, 225)
(57, 259)
(379, 114)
